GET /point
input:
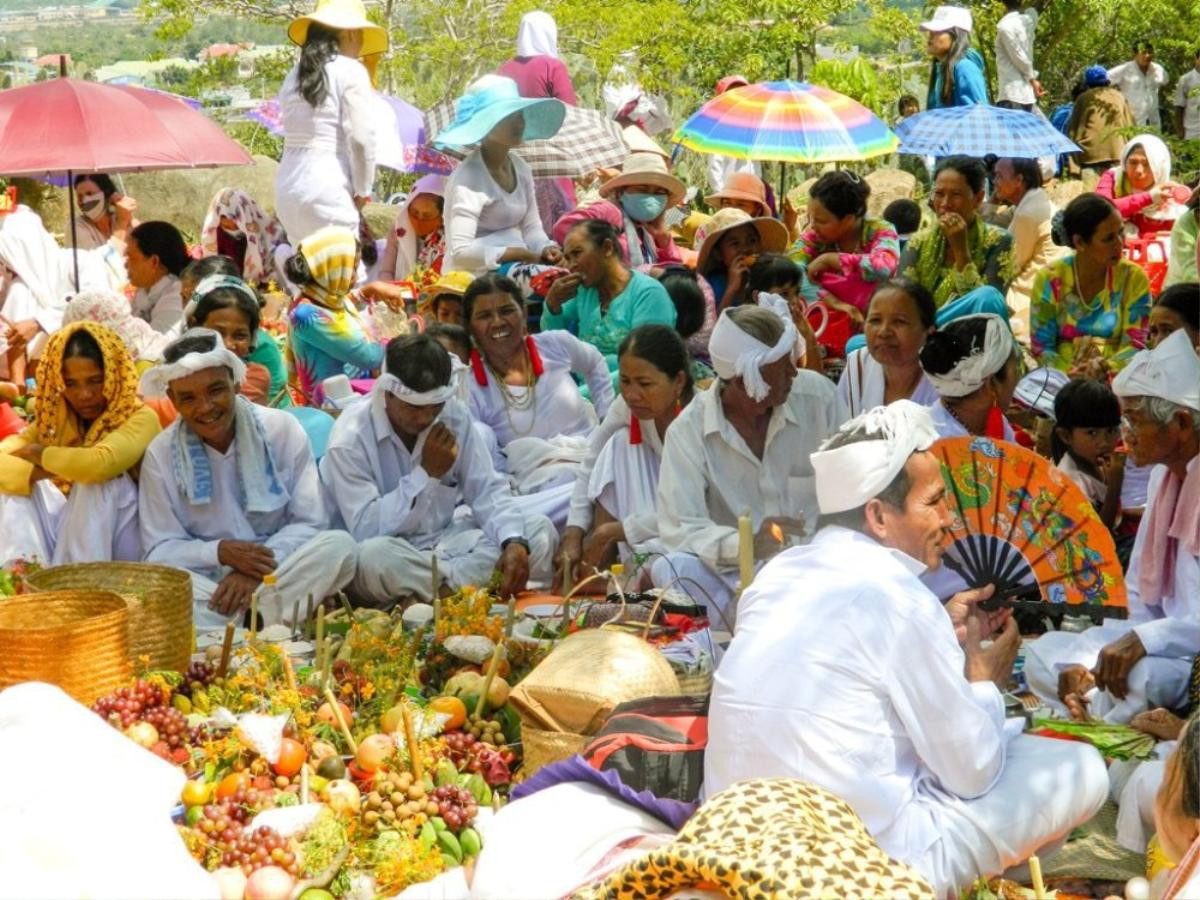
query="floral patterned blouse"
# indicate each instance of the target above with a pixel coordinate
(876, 261)
(924, 261)
(1114, 320)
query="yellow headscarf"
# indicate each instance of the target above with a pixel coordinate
(331, 253)
(57, 423)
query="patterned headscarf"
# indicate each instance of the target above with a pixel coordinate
(263, 232)
(766, 838)
(57, 423)
(112, 311)
(330, 253)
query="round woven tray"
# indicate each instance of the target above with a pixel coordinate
(160, 605)
(78, 640)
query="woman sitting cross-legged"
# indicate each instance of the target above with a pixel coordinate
(67, 489)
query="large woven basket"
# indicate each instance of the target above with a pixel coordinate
(78, 640)
(159, 598)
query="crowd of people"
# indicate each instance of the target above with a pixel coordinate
(607, 370)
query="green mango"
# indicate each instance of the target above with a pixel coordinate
(470, 842)
(428, 836)
(479, 789)
(438, 823)
(445, 774)
(450, 862)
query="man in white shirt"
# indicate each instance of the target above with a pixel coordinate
(1187, 103)
(230, 492)
(1117, 670)
(739, 447)
(1018, 182)
(1019, 87)
(401, 463)
(848, 673)
(1140, 80)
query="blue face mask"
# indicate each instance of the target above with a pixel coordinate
(643, 207)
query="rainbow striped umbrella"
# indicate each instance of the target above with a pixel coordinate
(788, 121)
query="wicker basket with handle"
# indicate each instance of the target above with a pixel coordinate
(78, 640)
(159, 598)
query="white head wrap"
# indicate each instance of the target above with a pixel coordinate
(1171, 371)
(155, 381)
(737, 354)
(390, 384)
(537, 35)
(973, 371)
(850, 475)
(211, 283)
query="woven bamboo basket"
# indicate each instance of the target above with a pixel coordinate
(78, 640)
(159, 598)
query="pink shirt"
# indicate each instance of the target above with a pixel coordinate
(540, 76)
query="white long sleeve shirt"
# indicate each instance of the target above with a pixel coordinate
(1140, 89)
(483, 219)
(381, 489)
(709, 476)
(179, 533)
(161, 305)
(845, 672)
(1014, 57)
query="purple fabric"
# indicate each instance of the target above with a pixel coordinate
(540, 76)
(672, 812)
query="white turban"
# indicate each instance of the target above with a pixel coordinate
(850, 475)
(972, 372)
(735, 353)
(155, 381)
(1171, 371)
(390, 384)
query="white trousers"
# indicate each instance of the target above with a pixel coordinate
(389, 567)
(1154, 680)
(689, 574)
(1134, 785)
(323, 566)
(1047, 788)
(96, 523)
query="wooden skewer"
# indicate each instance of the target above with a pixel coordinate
(337, 715)
(487, 681)
(320, 638)
(226, 649)
(437, 579)
(253, 617)
(308, 617)
(295, 614)
(410, 737)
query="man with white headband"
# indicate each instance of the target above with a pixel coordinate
(1121, 668)
(741, 446)
(848, 673)
(397, 467)
(230, 492)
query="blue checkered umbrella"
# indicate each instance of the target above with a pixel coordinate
(979, 130)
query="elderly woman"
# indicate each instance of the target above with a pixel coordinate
(644, 192)
(974, 364)
(900, 318)
(956, 74)
(522, 388)
(845, 252)
(1140, 185)
(328, 164)
(416, 242)
(601, 300)
(492, 219)
(91, 432)
(1090, 309)
(155, 257)
(99, 217)
(741, 445)
(327, 334)
(962, 252)
(729, 244)
(237, 227)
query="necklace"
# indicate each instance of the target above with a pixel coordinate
(956, 417)
(1088, 306)
(520, 402)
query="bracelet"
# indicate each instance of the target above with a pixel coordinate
(515, 540)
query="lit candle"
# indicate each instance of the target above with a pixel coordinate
(745, 550)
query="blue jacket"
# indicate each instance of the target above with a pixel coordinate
(970, 85)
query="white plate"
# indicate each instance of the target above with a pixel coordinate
(543, 611)
(209, 638)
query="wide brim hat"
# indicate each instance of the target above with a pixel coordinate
(742, 186)
(772, 233)
(341, 15)
(639, 142)
(646, 167)
(491, 99)
(946, 18)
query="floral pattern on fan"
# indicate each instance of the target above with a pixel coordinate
(1020, 524)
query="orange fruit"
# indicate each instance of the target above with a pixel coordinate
(291, 758)
(196, 793)
(230, 783)
(452, 707)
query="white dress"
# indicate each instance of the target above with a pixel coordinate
(862, 386)
(329, 151)
(624, 481)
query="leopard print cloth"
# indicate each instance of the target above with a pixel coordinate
(767, 838)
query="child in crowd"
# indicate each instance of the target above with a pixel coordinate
(774, 273)
(905, 217)
(447, 293)
(1085, 443)
(453, 337)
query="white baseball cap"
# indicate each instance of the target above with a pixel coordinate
(947, 17)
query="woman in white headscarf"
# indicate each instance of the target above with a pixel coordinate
(974, 364)
(1141, 186)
